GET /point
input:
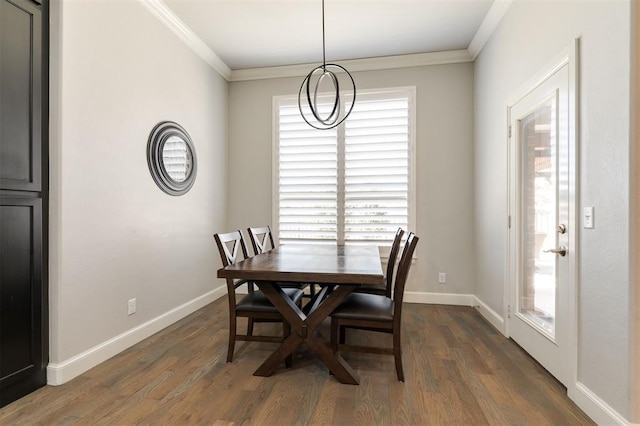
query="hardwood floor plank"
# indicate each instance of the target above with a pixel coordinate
(400, 406)
(331, 392)
(468, 403)
(458, 369)
(371, 401)
(343, 412)
(282, 405)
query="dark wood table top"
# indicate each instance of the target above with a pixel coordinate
(316, 263)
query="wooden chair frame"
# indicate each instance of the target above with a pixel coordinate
(261, 239)
(391, 265)
(394, 326)
(229, 255)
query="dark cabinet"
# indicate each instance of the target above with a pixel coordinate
(23, 197)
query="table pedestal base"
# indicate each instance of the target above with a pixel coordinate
(304, 330)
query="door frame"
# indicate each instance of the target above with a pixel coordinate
(569, 56)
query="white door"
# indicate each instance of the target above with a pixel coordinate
(541, 306)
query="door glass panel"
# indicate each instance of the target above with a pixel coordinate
(537, 296)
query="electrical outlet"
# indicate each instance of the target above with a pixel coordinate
(131, 305)
(442, 278)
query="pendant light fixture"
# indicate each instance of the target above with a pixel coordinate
(311, 86)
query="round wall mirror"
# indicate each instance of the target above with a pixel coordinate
(171, 158)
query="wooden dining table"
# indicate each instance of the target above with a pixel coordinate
(338, 269)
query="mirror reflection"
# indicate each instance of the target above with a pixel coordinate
(171, 158)
(176, 158)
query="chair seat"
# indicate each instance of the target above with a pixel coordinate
(361, 306)
(258, 302)
(372, 289)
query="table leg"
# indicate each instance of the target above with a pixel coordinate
(303, 329)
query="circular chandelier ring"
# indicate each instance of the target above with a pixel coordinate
(333, 119)
(335, 112)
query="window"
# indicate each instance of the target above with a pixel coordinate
(350, 184)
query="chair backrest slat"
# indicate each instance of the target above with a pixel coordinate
(393, 255)
(261, 239)
(228, 246)
(403, 272)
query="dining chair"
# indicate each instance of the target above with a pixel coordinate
(386, 288)
(261, 241)
(377, 313)
(254, 306)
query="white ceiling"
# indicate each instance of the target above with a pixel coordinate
(248, 34)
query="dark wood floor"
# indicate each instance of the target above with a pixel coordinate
(458, 369)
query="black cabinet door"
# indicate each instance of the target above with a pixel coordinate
(23, 197)
(22, 367)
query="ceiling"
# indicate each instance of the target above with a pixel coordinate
(247, 34)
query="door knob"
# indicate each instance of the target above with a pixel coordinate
(562, 251)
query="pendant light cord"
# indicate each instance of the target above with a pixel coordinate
(324, 58)
(333, 118)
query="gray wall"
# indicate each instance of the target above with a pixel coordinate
(530, 35)
(116, 72)
(444, 164)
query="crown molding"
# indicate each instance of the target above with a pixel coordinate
(488, 26)
(368, 64)
(175, 24)
(195, 43)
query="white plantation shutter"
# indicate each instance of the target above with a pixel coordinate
(376, 169)
(349, 184)
(307, 181)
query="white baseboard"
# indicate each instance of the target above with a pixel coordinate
(489, 314)
(59, 373)
(494, 318)
(439, 298)
(594, 407)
